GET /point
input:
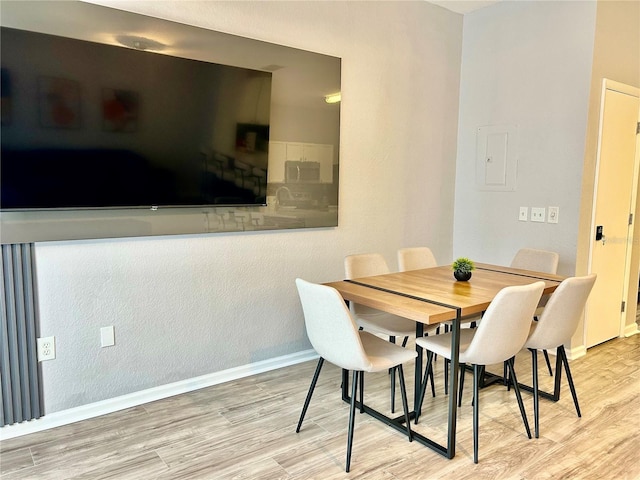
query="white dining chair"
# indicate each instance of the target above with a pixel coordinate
(372, 320)
(415, 258)
(539, 261)
(555, 327)
(501, 334)
(334, 335)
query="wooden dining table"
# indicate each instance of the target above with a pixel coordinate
(429, 297)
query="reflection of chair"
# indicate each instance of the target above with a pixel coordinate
(415, 258)
(501, 334)
(257, 219)
(538, 261)
(284, 196)
(365, 265)
(557, 324)
(259, 176)
(334, 335)
(233, 220)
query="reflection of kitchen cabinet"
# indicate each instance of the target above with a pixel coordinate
(275, 166)
(281, 152)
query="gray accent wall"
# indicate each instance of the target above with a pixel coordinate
(526, 64)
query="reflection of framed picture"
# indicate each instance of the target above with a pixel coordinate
(119, 110)
(59, 102)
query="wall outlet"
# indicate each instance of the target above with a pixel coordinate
(523, 216)
(538, 214)
(554, 212)
(46, 348)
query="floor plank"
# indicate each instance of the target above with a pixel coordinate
(246, 429)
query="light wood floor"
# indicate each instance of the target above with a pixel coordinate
(246, 429)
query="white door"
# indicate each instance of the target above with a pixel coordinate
(615, 196)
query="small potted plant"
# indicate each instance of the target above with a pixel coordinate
(462, 268)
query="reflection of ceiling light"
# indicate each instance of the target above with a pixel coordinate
(139, 43)
(333, 98)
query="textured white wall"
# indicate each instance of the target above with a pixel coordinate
(184, 306)
(528, 64)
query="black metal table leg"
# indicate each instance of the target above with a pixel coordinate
(418, 367)
(453, 386)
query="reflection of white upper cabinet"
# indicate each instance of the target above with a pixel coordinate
(277, 157)
(324, 155)
(281, 152)
(294, 152)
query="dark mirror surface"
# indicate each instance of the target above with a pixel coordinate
(270, 132)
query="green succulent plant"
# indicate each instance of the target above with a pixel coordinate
(463, 264)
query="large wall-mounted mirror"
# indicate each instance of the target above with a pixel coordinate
(113, 105)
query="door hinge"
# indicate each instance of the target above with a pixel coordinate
(638, 128)
(624, 306)
(630, 218)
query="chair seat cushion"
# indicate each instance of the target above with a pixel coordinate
(441, 344)
(384, 354)
(387, 324)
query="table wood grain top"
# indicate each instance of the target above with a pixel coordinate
(431, 295)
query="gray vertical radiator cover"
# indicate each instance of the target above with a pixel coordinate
(20, 398)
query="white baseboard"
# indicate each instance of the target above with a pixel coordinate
(631, 329)
(111, 405)
(576, 352)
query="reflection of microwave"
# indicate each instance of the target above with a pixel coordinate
(302, 172)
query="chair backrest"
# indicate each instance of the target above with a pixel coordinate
(505, 325)
(330, 327)
(415, 258)
(537, 260)
(364, 265)
(562, 313)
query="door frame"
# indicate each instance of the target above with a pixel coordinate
(608, 84)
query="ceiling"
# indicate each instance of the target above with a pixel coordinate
(463, 6)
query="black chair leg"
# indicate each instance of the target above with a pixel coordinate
(565, 361)
(516, 389)
(463, 367)
(310, 392)
(433, 383)
(446, 376)
(476, 410)
(505, 379)
(405, 404)
(361, 375)
(546, 357)
(352, 417)
(423, 387)
(536, 397)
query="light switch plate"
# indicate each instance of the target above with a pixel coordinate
(523, 216)
(554, 212)
(107, 337)
(538, 214)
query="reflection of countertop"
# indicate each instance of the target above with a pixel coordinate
(295, 217)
